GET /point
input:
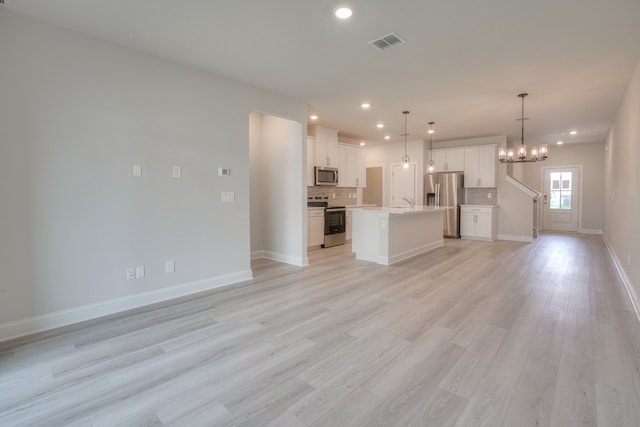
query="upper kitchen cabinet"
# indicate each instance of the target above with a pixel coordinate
(448, 160)
(311, 160)
(341, 164)
(326, 146)
(481, 166)
(356, 162)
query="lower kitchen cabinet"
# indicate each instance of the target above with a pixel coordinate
(479, 222)
(348, 224)
(315, 227)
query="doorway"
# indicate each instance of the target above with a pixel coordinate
(372, 193)
(561, 198)
(403, 184)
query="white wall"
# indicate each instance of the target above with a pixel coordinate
(389, 154)
(622, 187)
(75, 115)
(278, 193)
(591, 158)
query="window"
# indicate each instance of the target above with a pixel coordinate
(560, 191)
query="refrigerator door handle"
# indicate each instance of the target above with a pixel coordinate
(438, 194)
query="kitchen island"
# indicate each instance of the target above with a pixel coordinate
(387, 235)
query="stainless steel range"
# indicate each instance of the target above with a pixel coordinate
(335, 220)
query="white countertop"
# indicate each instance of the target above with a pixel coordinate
(405, 210)
(479, 206)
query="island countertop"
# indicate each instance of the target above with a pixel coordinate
(387, 235)
(404, 210)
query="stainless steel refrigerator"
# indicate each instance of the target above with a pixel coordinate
(446, 189)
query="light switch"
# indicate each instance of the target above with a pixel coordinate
(139, 271)
(177, 172)
(137, 170)
(228, 196)
(170, 266)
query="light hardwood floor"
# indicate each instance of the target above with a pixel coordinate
(472, 334)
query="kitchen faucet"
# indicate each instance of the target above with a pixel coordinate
(411, 202)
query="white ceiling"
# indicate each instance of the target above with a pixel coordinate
(462, 66)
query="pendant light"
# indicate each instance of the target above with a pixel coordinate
(405, 158)
(520, 156)
(431, 167)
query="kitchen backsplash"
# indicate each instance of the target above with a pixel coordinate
(343, 195)
(481, 196)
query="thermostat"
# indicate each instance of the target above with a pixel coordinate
(224, 172)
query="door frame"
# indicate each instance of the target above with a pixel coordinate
(384, 181)
(543, 171)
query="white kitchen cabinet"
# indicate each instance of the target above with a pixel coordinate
(315, 227)
(326, 147)
(478, 222)
(481, 167)
(448, 160)
(341, 164)
(356, 166)
(311, 160)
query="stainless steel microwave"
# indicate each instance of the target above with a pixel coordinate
(325, 175)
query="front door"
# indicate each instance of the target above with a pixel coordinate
(561, 207)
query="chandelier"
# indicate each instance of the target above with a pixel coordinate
(508, 155)
(431, 167)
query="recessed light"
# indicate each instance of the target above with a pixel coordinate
(559, 142)
(313, 117)
(573, 132)
(362, 143)
(380, 125)
(343, 12)
(365, 105)
(387, 137)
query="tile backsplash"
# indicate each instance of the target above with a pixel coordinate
(343, 195)
(481, 196)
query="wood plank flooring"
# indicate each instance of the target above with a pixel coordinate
(472, 334)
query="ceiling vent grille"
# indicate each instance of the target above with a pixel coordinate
(386, 42)
(3, 2)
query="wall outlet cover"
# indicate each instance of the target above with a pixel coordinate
(131, 274)
(137, 170)
(177, 172)
(170, 266)
(228, 196)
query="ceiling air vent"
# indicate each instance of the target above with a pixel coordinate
(385, 42)
(3, 2)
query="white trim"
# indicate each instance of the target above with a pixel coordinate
(83, 313)
(522, 186)
(287, 259)
(589, 231)
(631, 292)
(410, 253)
(515, 238)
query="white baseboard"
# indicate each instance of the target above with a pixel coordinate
(70, 316)
(410, 253)
(287, 259)
(631, 291)
(589, 231)
(515, 238)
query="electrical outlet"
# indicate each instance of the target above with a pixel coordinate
(228, 196)
(139, 271)
(131, 274)
(489, 195)
(137, 170)
(177, 172)
(170, 266)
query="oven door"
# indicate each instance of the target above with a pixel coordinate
(335, 221)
